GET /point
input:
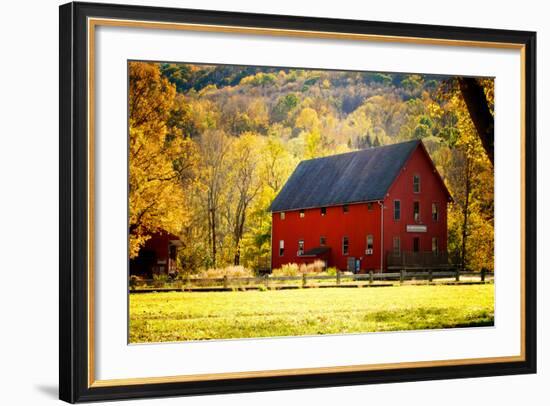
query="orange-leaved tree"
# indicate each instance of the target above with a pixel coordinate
(161, 158)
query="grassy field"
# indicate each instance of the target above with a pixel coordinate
(179, 316)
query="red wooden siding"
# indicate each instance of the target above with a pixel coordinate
(154, 257)
(359, 222)
(356, 224)
(431, 191)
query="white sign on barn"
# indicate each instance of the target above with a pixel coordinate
(416, 228)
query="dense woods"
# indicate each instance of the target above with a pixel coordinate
(211, 146)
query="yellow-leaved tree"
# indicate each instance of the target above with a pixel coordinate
(161, 159)
(470, 178)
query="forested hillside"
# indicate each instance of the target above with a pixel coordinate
(211, 146)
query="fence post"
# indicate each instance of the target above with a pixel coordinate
(482, 274)
(430, 275)
(225, 282)
(457, 275)
(402, 276)
(304, 280)
(371, 277)
(266, 277)
(337, 277)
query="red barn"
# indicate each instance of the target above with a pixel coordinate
(158, 256)
(370, 210)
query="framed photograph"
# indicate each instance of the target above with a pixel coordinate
(259, 202)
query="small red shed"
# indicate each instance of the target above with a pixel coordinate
(157, 256)
(370, 210)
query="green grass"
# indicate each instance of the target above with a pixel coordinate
(180, 316)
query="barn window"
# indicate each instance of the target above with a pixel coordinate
(302, 214)
(369, 206)
(322, 241)
(397, 210)
(345, 245)
(345, 208)
(416, 244)
(282, 215)
(435, 245)
(172, 251)
(416, 211)
(370, 244)
(435, 212)
(323, 211)
(281, 248)
(416, 183)
(396, 245)
(300, 247)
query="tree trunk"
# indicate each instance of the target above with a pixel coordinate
(467, 188)
(481, 116)
(237, 257)
(213, 234)
(239, 231)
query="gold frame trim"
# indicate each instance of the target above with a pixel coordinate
(94, 22)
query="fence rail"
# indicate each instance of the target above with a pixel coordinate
(309, 280)
(410, 259)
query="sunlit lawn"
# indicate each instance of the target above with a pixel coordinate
(178, 316)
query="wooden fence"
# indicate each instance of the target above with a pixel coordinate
(309, 281)
(419, 260)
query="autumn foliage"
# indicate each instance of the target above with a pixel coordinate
(162, 161)
(211, 146)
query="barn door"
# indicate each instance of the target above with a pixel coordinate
(416, 244)
(351, 264)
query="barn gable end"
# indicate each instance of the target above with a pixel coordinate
(341, 209)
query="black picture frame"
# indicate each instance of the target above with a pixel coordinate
(74, 385)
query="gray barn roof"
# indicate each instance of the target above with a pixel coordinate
(352, 177)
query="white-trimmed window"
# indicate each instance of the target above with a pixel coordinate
(416, 211)
(300, 247)
(370, 244)
(396, 245)
(302, 213)
(282, 215)
(435, 245)
(323, 211)
(397, 210)
(416, 183)
(345, 245)
(281, 248)
(435, 211)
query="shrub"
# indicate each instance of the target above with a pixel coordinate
(233, 271)
(291, 269)
(160, 277)
(332, 271)
(134, 280)
(160, 280)
(318, 266)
